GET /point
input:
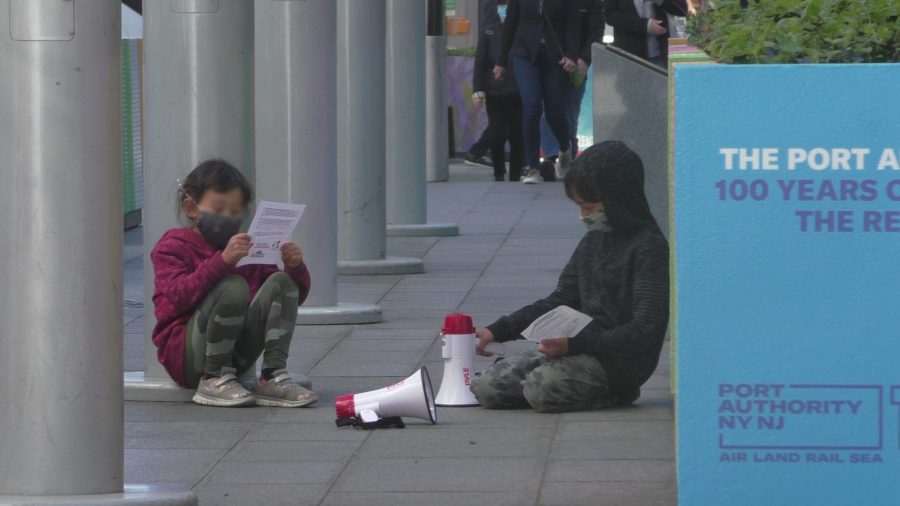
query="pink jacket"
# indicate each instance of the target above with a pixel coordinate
(186, 268)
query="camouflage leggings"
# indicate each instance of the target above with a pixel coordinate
(530, 379)
(227, 332)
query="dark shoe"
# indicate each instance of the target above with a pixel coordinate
(479, 160)
(498, 178)
(548, 171)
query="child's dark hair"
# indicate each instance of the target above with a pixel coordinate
(217, 175)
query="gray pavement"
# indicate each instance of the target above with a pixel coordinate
(514, 241)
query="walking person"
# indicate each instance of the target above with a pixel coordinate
(591, 25)
(540, 43)
(641, 27)
(504, 106)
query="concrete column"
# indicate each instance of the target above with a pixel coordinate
(437, 142)
(361, 142)
(405, 51)
(61, 425)
(198, 104)
(296, 140)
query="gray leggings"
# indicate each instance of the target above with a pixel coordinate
(228, 331)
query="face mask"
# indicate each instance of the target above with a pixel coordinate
(501, 11)
(596, 221)
(218, 229)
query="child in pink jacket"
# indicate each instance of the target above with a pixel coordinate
(214, 319)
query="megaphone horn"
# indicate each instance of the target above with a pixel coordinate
(411, 397)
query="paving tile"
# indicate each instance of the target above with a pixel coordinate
(317, 471)
(190, 412)
(622, 430)
(304, 432)
(182, 466)
(441, 475)
(612, 493)
(370, 332)
(450, 498)
(450, 441)
(193, 435)
(651, 448)
(257, 494)
(372, 363)
(291, 451)
(645, 470)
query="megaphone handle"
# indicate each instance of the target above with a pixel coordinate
(446, 349)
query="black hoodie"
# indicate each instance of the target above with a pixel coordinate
(619, 278)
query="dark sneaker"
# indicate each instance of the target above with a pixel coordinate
(223, 391)
(282, 392)
(548, 171)
(479, 160)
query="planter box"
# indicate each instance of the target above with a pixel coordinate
(786, 283)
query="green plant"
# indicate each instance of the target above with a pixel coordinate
(799, 31)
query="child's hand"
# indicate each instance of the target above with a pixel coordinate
(238, 247)
(291, 255)
(485, 337)
(554, 348)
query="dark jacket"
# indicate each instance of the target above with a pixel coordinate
(630, 30)
(591, 25)
(525, 27)
(487, 54)
(619, 278)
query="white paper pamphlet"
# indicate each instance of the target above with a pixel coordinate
(272, 226)
(560, 322)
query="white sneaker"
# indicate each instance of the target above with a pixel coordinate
(562, 165)
(533, 176)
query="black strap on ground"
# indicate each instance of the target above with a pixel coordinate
(391, 422)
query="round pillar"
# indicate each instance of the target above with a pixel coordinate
(296, 141)
(361, 138)
(405, 103)
(198, 104)
(61, 275)
(437, 130)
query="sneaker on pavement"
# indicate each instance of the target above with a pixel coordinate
(482, 160)
(562, 167)
(223, 391)
(533, 176)
(282, 392)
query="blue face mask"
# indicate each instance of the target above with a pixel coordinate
(501, 11)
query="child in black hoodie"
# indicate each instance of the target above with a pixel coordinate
(618, 275)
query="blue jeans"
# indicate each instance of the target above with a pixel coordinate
(572, 103)
(542, 87)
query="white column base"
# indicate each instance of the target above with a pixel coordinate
(389, 265)
(137, 388)
(423, 230)
(134, 495)
(344, 313)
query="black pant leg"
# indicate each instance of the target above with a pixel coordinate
(516, 139)
(496, 110)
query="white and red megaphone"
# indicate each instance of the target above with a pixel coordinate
(458, 353)
(384, 407)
